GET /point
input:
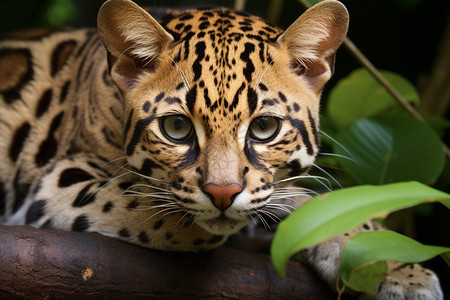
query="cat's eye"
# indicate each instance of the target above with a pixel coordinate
(264, 128)
(177, 127)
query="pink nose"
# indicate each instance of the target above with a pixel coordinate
(222, 195)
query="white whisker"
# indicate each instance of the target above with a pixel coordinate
(328, 174)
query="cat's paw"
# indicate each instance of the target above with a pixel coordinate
(410, 282)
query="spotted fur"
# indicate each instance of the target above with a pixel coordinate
(171, 135)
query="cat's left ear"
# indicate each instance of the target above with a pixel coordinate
(133, 39)
(312, 41)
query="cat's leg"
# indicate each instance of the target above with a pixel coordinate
(402, 281)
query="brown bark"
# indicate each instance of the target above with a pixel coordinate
(37, 263)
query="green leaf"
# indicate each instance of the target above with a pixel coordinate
(363, 253)
(391, 148)
(337, 212)
(359, 96)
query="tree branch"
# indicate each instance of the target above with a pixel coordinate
(37, 263)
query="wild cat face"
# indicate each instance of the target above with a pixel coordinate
(218, 103)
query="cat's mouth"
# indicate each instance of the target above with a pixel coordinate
(222, 225)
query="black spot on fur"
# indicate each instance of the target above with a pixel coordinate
(132, 205)
(44, 103)
(197, 66)
(143, 237)
(158, 224)
(48, 147)
(124, 232)
(108, 207)
(64, 90)
(263, 87)
(84, 198)
(236, 97)
(35, 212)
(60, 55)
(245, 56)
(159, 97)
(18, 141)
(191, 97)
(146, 106)
(252, 99)
(21, 191)
(12, 93)
(81, 224)
(48, 224)
(282, 97)
(72, 176)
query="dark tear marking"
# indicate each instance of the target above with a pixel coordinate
(138, 129)
(44, 103)
(81, 224)
(245, 56)
(197, 66)
(60, 55)
(252, 99)
(35, 212)
(48, 148)
(18, 141)
(64, 90)
(190, 156)
(191, 97)
(21, 191)
(19, 62)
(72, 176)
(300, 125)
(236, 97)
(84, 198)
(314, 128)
(251, 154)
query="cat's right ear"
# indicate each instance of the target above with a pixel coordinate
(133, 39)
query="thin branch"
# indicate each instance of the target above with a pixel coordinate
(380, 78)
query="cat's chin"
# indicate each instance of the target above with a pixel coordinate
(222, 225)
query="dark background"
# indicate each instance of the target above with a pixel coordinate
(403, 36)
